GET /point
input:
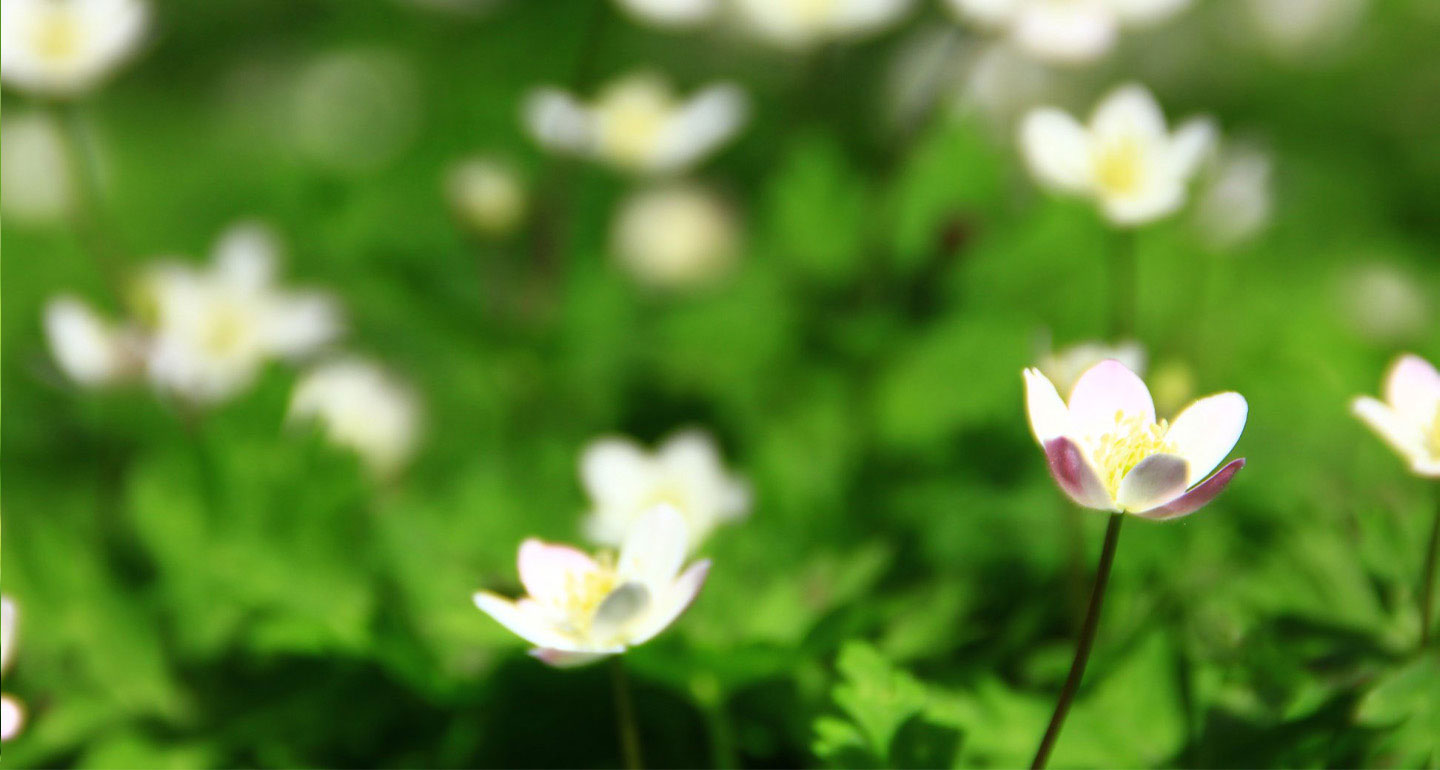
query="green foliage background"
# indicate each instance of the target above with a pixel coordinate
(907, 589)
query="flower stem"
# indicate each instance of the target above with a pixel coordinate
(1427, 577)
(625, 715)
(87, 209)
(1124, 284)
(1087, 639)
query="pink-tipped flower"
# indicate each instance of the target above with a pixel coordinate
(580, 609)
(1409, 417)
(1107, 451)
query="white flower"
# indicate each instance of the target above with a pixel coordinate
(1234, 204)
(90, 350)
(1125, 159)
(675, 14)
(624, 481)
(1304, 29)
(1065, 31)
(215, 328)
(35, 173)
(63, 47)
(636, 124)
(1385, 302)
(1063, 367)
(361, 407)
(487, 195)
(581, 609)
(675, 236)
(14, 716)
(1107, 451)
(805, 23)
(1409, 417)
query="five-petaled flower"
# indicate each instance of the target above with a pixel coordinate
(1107, 451)
(64, 47)
(637, 124)
(1126, 159)
(580, 609)
(624, 482)
(13, 715)
(1409, 417)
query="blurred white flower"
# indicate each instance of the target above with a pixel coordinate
(1235, 199)
(1386, 303)
(1297, 30)
(1126, 159)
(1064, 366)
(13, 714)
(36, 183)
(580, 609)
(623, 482)
(361, 407)
(90, 350)
(1065, 31)
(674, 14)
(675, 237)
(1001, 84)
(805, 23)
(64, 47)
(1107, 450)
(487, 195)
(356, 110)
(1409, 417)
(637, 124)
(215, 328)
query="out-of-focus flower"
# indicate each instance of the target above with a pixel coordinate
(805, 23)
(64, 47)
(1065, 31)
(1385, 303)
(35, 172)
(685, 472)
(674, 237)
(1063, 367)
(673, 14)
(580, 609)
(90, 350)
(1235, 200)
(361, 407)
(1297, 30)
(356, 110)
(637, 124)
(1001, 84)
(1107, 451)
(1126, 159)
(1409, 417)
(13, 715)
(487, 195)
(215, 328)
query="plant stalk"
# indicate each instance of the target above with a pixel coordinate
(1427, 576)
(625, 715)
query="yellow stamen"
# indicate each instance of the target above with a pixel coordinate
(224, 332)
(57, 36)
(1119, 166)
(632, 116)
(585, 591)
(1435, 434)
(1117, 452)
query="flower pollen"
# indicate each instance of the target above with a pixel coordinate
(1117, 452)
(1119, 166)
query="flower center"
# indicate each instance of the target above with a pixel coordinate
(631, 122)
(1117, 452)
(225, 332)
(57, 36)
(1434, 437)
(1119, 166)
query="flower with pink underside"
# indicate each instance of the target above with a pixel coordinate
(580, 609)
(1409, 417)
(1107, 451)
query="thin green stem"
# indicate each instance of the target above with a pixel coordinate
(88, 208)
(1427, 577)
(1124, 283)
(625, 715)
(1087, 640)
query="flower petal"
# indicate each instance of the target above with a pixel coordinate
(1049, 418)
(522, 619)
(1129, 111)
(1105, 391)
(547, 570)
(1206, 431)
(1404, 436)
(703, 123)
(1076, 478)
(675, 601)
(1067, 32)
(1412, 388)
(1057, 150)
(568, 658)
(12, 718)
(1154, 481)
(557, 121)
(1195, 139)
(1198, 497)
(655, 548)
